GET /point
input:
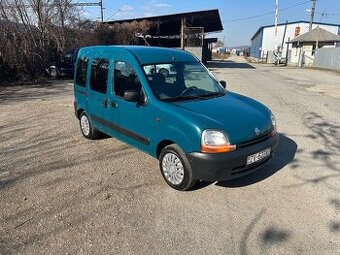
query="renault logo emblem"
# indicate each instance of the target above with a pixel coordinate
(257, 131)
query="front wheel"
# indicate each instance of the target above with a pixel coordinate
(175, 168)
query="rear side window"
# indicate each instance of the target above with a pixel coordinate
(99, 75)
(81, 72)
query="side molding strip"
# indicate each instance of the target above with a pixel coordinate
(121, 130)
(81, 92)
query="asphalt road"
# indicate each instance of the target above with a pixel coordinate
(62, 194)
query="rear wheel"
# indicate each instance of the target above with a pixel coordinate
(164, 71)
(87, 128)
(175, 168)
(54, 73)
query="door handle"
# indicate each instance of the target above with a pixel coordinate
(114, 104)
(104, 103)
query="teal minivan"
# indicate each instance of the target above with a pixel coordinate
(184, 117)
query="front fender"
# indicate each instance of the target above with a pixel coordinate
(188, 141)
(179, 128)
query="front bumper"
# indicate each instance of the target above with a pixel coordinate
(229, 165)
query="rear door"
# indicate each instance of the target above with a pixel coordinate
(99, 110)
(80, 91)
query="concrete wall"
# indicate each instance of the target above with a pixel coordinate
(327, 58)
(197, 51)
(269, 35)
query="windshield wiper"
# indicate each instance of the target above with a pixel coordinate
(212, 94)
(190, 97)
(186, 97)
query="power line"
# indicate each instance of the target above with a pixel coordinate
(267, 13)
(324, 13)
(114, 14)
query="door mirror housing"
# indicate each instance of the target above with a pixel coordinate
(224, 84)
(132, 95)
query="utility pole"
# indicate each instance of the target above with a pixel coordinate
(276, 21)
(183, 28)
(312, 13)
(101, 11)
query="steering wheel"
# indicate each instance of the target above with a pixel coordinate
(187, 90)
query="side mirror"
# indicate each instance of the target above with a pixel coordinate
(223, 83)
(132, 95)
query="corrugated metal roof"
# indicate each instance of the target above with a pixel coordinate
(170, 25)
(318, 34)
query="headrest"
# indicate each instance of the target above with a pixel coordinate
(158, 78)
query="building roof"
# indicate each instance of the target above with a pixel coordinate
(293, 22)
(318, 34)
(170, 25)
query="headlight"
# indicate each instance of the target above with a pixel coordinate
(273, 123)
(214, 141)
(273, 119)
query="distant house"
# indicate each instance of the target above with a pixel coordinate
(263, 40)
(305, 45)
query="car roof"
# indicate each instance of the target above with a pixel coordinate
(144, 54)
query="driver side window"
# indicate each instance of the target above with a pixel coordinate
(125, 78)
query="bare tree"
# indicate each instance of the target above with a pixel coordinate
(125, 33)
(33, 33)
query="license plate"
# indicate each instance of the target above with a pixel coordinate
(258, 156)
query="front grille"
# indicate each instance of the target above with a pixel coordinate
(256, 140)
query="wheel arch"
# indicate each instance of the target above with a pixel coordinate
(79, 112)
(161, 145)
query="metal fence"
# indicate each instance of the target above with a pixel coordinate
(327, 58)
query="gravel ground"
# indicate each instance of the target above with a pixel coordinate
(63, 194)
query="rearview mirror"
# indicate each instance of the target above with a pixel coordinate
(132, 95)
(223, 83)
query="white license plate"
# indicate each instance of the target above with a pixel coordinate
(258, 156)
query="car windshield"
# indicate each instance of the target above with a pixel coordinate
(182, 81)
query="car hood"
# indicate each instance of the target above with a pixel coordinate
(238, 116)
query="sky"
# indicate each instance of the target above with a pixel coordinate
(237, 16)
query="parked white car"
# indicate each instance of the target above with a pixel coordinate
(165, 69)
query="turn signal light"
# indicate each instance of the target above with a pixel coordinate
(217, 149)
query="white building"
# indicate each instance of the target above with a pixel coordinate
(263, 40)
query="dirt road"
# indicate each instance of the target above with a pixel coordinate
(62, 194)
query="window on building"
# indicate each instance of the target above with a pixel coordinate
(99, 75)
(313, 49)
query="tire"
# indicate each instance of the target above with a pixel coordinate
(164, 71)
(54, 73)
(86, 127)
(180, 177)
